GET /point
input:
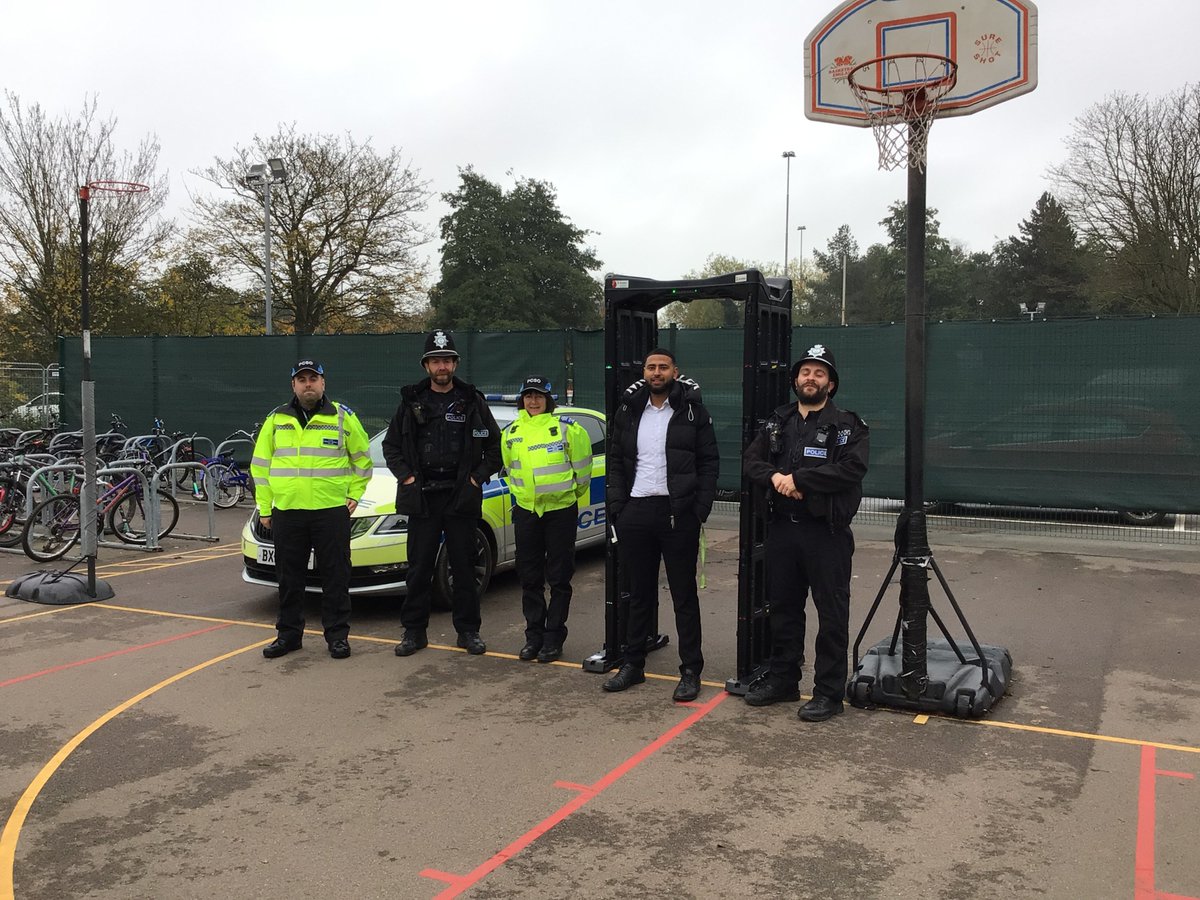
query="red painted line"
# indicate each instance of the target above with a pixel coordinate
(1143, 862)
(456, 884)
(1143, 858)
(102, 657)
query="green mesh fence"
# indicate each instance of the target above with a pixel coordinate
(1079, 414)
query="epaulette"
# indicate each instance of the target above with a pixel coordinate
(566, 420)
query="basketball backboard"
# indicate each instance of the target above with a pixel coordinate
(993, 43)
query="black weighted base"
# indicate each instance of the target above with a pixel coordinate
(954, 688)
(739, 686)
(57, 588)
(604, 662)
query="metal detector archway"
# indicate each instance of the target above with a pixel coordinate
(631, 308)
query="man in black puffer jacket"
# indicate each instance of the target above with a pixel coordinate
(662, 480)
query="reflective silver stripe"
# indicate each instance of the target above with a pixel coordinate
(259, 461)
(291, 452)
(554, 469)
(360, 456)
(516, 480)
(308, 473)
(515, 464)
(585, 462)
(554, 487)
(362, 470)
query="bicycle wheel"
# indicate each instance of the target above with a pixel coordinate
(222, 483)
(127, 517)
(12, 513)
(190, 479)
(52, 529)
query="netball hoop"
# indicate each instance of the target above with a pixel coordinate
(900, 95)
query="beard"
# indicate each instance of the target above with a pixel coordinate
(441, 377)
(812, 395)
(660, 389)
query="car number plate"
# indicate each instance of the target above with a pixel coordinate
(266, 557)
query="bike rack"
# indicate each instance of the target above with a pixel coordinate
(237, 442)
(171, 460)
(152, 518)
(211, 537)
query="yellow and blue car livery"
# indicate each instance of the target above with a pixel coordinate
(379, 536)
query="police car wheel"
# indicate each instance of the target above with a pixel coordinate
(443, 581)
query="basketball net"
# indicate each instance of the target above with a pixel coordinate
(900, 96)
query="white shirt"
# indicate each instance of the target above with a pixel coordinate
(650, 477)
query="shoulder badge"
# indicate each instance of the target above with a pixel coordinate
(346, 408)
(566, 420)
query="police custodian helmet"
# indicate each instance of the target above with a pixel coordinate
(439, 343)
(818, 353)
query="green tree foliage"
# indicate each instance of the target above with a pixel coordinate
(513, 260)
(824, 300)
(1131, 182)
(1046, 263)
(343, 231)
(190, 298)
(43, 163)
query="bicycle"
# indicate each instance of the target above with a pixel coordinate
(228, 483)
(54, 526)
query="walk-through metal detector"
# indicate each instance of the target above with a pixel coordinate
(631, 308)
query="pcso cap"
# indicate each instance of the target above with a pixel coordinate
(310, 364)
(818, 353)
(536, 383)
(439, 343)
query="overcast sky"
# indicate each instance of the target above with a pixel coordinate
(661, 124)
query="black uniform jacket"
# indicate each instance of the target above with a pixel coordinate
(831, 465)
(693, 461)
(480, 461)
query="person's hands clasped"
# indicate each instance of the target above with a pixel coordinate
(786, 485)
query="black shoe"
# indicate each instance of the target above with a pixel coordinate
(411, 643)
(339, 649)
(627, 676)
(688, 688)
(530, 650)
(772, 689)
(279, 647)
(550, 653)
(818, 709)
(472, 643)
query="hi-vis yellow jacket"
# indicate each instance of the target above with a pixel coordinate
(314, 466)
(549, 460)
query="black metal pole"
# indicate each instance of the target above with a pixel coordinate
(914, 541)
(87, 506)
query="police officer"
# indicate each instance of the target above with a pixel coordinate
(310, 466)
(812, 457)
(442, 445)
(549, 461)
(662, 481)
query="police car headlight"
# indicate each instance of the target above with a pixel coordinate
(360, 526)
(393, 524)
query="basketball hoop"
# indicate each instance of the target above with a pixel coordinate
(900, 96)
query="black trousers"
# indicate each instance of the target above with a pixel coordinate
(325, 533)
(424, 540)
(804, 555)
(647, 533)
(546, 553)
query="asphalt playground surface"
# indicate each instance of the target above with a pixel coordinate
(147, 750)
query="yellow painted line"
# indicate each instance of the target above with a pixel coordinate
(12, 828)
(920, 719)
(152, 567)
(47, 612)
(1082, 735)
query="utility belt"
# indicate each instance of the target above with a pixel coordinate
(438, 479)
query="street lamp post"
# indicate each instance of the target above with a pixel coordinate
(264, 176)
(800, 228)
(789, 155)
(843, 287)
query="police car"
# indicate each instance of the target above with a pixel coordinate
(379, 536)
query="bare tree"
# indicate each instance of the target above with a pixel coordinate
(1131, 182)
(343, 235)
(43, 163)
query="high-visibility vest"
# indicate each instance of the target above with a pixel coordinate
(549, 460)
(314, 466)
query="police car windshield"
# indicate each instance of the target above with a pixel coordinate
(503, 412)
